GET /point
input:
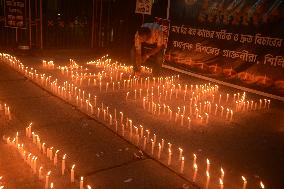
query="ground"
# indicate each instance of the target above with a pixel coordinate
(250, 145)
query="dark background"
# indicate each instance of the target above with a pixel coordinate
(68, 24)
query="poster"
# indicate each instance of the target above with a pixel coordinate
(143, 7)
(165, 25)
(15, 13)
(240, 42)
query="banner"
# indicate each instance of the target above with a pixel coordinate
(165, 25)
(143, 7)
(15, 13)
(240, 42)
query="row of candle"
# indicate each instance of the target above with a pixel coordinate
(31, 160)
(130, 129)
(47, 64)
(53, 155)
(7, 111)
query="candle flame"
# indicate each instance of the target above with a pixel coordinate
(49, 172)
(182, 158)
(208, 162)
(244, 179)
(73, 166)
(89, 187)
(221, 181)
(262, 185)
(64, 156)
(82, 178)
(51, 185)
(222, 171)
(207, 174)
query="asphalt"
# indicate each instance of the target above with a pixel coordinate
(251, 145)
(103, 158)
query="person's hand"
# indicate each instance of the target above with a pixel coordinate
(144, 58)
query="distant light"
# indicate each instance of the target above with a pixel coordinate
(58, 14)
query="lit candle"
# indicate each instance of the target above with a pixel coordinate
(207, 180)
(51, 153)
(207, 165)
(231, 118)
(127, 95)
(180, 153)
(227, 114)
(189, 121)
(144, 143)
(55, 158)
(40, 173)
(221, 183)
(47, 180)
(222, 173)
(159, 151)
(216, 108)
(82, 183)
(72, 174)
(195, 172)
(170, 157)
(63, 164)
(227, 98)
(152, 151)
(182, 165)
(244, 182)
(262, 185)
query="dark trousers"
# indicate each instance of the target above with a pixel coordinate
(155, 61)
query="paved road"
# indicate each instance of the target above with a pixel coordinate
(106, 160)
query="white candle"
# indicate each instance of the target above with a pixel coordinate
(244, 182)
(144, 143)
(72, 174)
(82, 183)
(227, 114)
(182, 165)
(207, 180)
(195, 172)
(55, 158)
(221, 183)
(222, 173)
(180, 153)
(207, 165)
(127, 95)
(40, 173)
(170, 157)
(47, 180)
(51, 153)
(63, 165)
(231, 118)
(159, 151)
(35, 165)
(152, 151)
